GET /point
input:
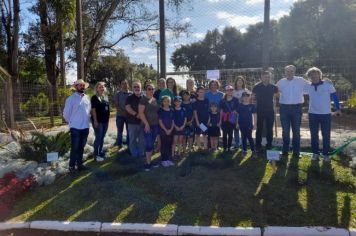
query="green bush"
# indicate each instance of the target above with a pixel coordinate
(36, 105)
(352, 100)
(36, 148)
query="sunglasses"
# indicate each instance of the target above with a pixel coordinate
(150, 89)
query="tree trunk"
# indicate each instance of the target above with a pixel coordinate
(61, 56)
(80, 57)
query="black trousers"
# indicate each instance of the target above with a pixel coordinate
(228, 130)
(264, 119)
(166, 147)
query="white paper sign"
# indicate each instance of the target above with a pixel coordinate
(52, 156)
(213, 74)
(273, 155)
(203, 127)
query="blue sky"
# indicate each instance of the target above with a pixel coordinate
(203, 15)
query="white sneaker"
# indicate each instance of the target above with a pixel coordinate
(170, 163)
(326, 158)
(99, 159)
(164, 164)
(315, 157)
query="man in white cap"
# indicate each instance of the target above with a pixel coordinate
(77, 115)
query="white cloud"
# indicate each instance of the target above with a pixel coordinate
(279, 15)
(199, 35)
(237, 20)
(253, 2)
(141, 50)
(186, 20)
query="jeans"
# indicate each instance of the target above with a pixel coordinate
(324, 120)
(100, 132)
(78, 138)
(120, 122)
(291, 116)
(227, 129)
(150, 138)
(246, 134)
(237, 137)
(264, 119)
(166, 147)
(137, 140)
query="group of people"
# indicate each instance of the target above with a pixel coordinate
(170, 122)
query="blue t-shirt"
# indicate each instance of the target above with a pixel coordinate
(188, 110)
(167, 118)
(229, 106)
(179, 116)
(214, 119)
(202, 108)
(245, 115)
(214, 98)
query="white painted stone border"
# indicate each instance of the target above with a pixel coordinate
(66, 226)
(160, 229)
(214, 230)
(170, 229)
(14, 225)
(305, 231)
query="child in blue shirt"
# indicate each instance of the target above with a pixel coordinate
(166, 124)
(247, 116)
(180, 119)
(201, 117)
(189, 127)
(214, 126)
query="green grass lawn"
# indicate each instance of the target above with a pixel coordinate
(224, 189)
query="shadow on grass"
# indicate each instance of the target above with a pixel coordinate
(225, 189)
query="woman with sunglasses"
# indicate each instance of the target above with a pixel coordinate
(148, 113)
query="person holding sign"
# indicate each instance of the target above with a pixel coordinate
(320, 94)
(201, 117)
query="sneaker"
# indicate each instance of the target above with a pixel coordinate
(154, 164)
(165, 164)
(326, 158)
(99, 159)
(83, 168)
(147, 167)
(170, 163)
(71, 169)
(315, 157)
(231, 148)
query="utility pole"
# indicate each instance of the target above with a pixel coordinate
(157, 44)
(162, 37)
(80, 56)
(266, 36)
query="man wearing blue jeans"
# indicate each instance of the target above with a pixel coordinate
(77, 114)
(121, 114)
(291, 89)
(320, 94)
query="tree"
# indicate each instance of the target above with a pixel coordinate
(10, 17)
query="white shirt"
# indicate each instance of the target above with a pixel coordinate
(238, 93)
(319, 100)
(77, 111)
(291, 91)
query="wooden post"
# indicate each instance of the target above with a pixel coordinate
(162, 35)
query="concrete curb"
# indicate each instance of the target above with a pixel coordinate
(66, 226)
(169, 229)
(160, 229)
(305, 231)
(214, 230)
(14, 225)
